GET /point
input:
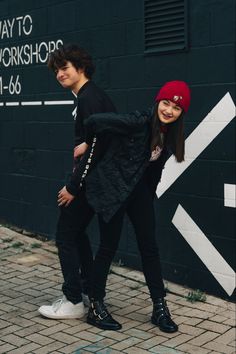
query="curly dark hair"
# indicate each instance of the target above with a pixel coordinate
(78, 56)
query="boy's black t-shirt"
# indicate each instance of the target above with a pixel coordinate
(91, 99)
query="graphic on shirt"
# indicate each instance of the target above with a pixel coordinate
(156, 153)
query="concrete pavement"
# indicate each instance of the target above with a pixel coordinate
(30, 276)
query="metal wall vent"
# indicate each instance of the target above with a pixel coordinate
(165, 25)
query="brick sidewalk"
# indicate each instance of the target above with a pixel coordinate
(30, 277)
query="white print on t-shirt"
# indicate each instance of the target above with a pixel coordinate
(74, 113)
(156, 153)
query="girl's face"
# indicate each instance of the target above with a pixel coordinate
(168, 111)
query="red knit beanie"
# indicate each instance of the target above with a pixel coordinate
(177, 92)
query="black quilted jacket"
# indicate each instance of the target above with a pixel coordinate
(119, 159)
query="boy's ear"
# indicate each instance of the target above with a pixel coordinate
(80, 70)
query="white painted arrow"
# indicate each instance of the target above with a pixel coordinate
(205, 250)
(220, 116)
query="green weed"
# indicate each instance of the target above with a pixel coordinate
(36, 245)
(7, 240)
(17, 244)
(196, 295)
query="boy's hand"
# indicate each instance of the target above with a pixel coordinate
(64, 197)
(80, 149)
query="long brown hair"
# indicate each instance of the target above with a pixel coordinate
(173, 138)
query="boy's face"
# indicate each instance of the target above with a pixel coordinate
(69, 77)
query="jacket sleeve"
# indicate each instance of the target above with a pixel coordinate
(87, 163)
(115, 123)
(81, 169)
(95, 125)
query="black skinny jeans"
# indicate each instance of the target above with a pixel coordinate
(74, 249)
(140, 210)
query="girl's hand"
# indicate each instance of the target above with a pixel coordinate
(80, 149)
(64, 197)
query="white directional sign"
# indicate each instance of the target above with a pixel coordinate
(205, 250)
(27, 52)
(219, 117)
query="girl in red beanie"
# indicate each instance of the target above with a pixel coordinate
(121, 172)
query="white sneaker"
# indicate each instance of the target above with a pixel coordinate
(85, 300)
(63, 309)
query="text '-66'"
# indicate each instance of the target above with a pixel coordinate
(13, 86)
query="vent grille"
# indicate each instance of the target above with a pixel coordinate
(165, 23)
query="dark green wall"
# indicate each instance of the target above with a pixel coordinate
(36, 141)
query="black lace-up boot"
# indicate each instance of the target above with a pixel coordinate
(99, 316)
(161, 317)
